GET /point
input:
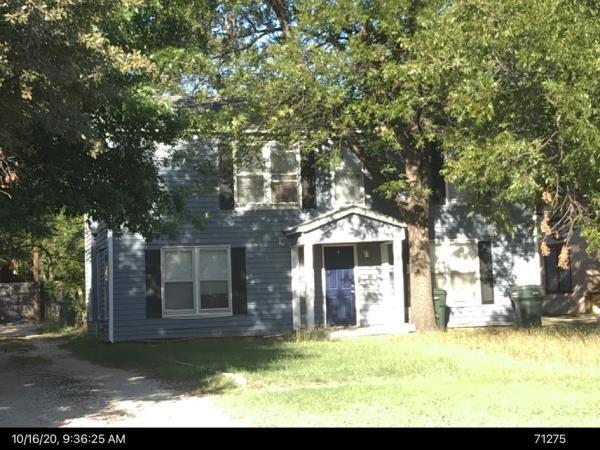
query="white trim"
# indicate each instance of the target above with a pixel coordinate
(196, 311)
(295, 257)
(309, 281)
(111, 278)
(388, 298)
(399, 278)
(333, 216)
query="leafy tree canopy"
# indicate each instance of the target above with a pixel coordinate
(83, 107)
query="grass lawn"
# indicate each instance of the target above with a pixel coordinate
(475, 377)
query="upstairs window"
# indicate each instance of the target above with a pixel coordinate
(348, 182)
(271, 179)
(557, 280)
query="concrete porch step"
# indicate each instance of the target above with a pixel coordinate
(404, 328)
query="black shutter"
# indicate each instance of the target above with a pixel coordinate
(238, 280)
(484, 251)
(438, 184)
(153, 285)
(308, 174)
(226, 186)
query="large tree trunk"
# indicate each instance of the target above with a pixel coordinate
(421, 295)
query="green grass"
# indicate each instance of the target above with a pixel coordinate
(481, 377)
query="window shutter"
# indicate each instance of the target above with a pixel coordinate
(308, 175)
(153, 285)
(484, 251)
(226, 186)
(438, 185)
(238, 280)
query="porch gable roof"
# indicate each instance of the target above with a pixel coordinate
(345, 215)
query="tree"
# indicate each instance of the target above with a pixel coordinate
(82, 108)
(334, 75)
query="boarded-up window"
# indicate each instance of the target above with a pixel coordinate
(456, 270)
(348, 182)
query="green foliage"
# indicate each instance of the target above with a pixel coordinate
(82, 108)
(523, 104)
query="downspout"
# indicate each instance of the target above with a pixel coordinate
(111, 327)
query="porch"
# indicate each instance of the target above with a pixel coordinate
(349, 270)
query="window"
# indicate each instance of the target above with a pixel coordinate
(557, 280)
(196, 281)
(348, 182)
(272, 179)
(464, 270)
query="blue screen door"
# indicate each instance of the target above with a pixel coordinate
(339, 283)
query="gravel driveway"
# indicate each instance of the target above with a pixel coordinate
(42, 385)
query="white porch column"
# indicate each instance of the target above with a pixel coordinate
(309, 279)
(388, 298)
(295, 287)
(399, 279)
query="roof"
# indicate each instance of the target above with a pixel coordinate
(338, 214)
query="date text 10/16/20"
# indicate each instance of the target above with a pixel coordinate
(41, 439)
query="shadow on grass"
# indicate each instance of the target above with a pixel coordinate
(209, 365)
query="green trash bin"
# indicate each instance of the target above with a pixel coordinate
(439, 305)
(527, 303)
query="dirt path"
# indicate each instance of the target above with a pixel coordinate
(42, 385)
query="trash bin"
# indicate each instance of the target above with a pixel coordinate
(527, 303)
(439, 305)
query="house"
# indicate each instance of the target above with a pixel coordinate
(286, 245)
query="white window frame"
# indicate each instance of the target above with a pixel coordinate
(267, 175)
(197, 311)
(445, 246)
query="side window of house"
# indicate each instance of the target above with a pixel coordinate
(557, 280)
(196, 281)
(464, 270)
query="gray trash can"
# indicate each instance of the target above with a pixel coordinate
(527, 302)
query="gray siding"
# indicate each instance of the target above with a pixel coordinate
(95, 326)
(268, 266)
(514, 260)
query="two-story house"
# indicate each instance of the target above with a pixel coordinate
(286, 245)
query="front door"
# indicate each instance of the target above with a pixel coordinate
(339, 282)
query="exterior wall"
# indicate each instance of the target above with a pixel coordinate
(95, 326)
(268, 267)
(585, 277)
(514, 261)
(369, 285)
